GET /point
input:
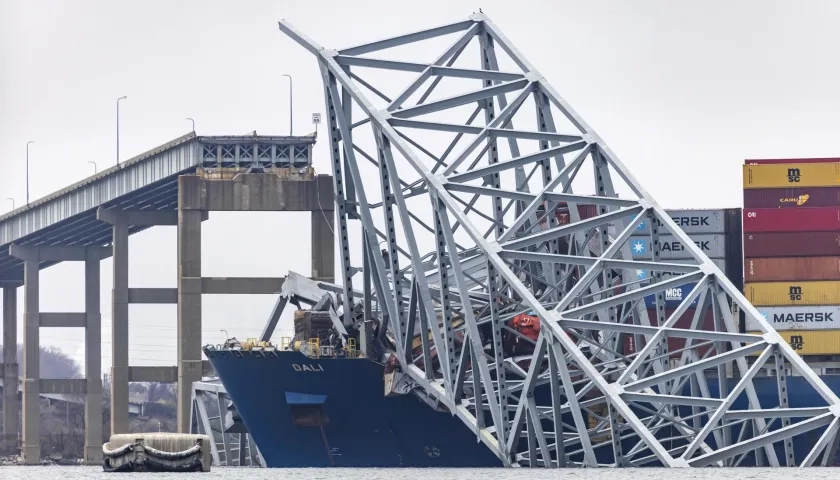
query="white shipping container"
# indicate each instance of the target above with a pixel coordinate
(799, 318)
(691, 221)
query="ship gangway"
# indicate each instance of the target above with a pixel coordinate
(468, 141)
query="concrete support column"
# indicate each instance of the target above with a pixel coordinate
(31, 442)
(323, 228)
(93, 362)
(189, 294)
(11, 425)
(119, 329)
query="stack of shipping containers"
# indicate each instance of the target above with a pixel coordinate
(718, 234)
(792, 251)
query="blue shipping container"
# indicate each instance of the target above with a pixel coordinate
(673, 297)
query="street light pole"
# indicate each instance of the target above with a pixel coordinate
(193, 123)
(94, 166)
(27, 171)
(118, 128)
(290, 103)
(11, 200)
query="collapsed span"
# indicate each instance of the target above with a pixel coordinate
(444, 167)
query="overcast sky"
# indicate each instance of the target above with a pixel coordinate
(682, 93)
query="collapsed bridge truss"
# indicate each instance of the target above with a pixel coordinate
(455, 213)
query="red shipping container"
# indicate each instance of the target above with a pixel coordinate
(805, 197)
(823, 219)
(706, 323)
(586, 210)
(782, 269)
(790, 160)
(796, 244)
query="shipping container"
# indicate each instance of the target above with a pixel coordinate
(769, 161)
(823, 219)
(817, 317)
(783, 175)
(812, 342)
(792, 197)
(670, 248)
(791, 268)
(706, 323)
(673, 297)
(771, 294)
(690, 221)
(734, 270)
(791, 244)
(586, 210)
(721, 263)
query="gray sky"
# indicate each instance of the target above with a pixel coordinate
(682, 93)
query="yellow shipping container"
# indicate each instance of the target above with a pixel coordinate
(790, 175)
(812, 342)
(771, 294)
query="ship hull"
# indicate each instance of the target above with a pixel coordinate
(305, 412)
(281, 399)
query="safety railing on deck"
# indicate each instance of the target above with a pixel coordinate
(311, 348)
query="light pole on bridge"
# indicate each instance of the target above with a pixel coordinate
(27, 171)
(118, 128)
(290, 104)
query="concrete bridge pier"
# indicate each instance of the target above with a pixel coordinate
(11, 425)
(34, 319)
(205, 192)
(121, 372)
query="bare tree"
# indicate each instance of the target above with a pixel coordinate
(55, 363)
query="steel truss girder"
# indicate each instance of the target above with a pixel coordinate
(208, 413)
(485, 252)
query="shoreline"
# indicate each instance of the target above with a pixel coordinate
(15, 461)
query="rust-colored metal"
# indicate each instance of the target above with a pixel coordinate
(791, 268)
(791, 244)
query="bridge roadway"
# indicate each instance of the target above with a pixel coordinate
(177, 183)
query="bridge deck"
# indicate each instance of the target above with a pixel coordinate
(145, 182)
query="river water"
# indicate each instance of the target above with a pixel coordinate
(94, 473)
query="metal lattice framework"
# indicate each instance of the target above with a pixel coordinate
(452, 210)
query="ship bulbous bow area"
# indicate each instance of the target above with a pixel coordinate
(505, 255)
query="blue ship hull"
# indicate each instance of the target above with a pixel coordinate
(277, 399)
(324, 412)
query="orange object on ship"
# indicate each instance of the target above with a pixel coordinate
(528, 325)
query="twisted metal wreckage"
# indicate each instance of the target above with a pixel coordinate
(490, 237)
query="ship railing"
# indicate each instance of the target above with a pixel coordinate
(311, 348)
(316, 350)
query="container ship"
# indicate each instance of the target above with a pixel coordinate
(347, 410)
